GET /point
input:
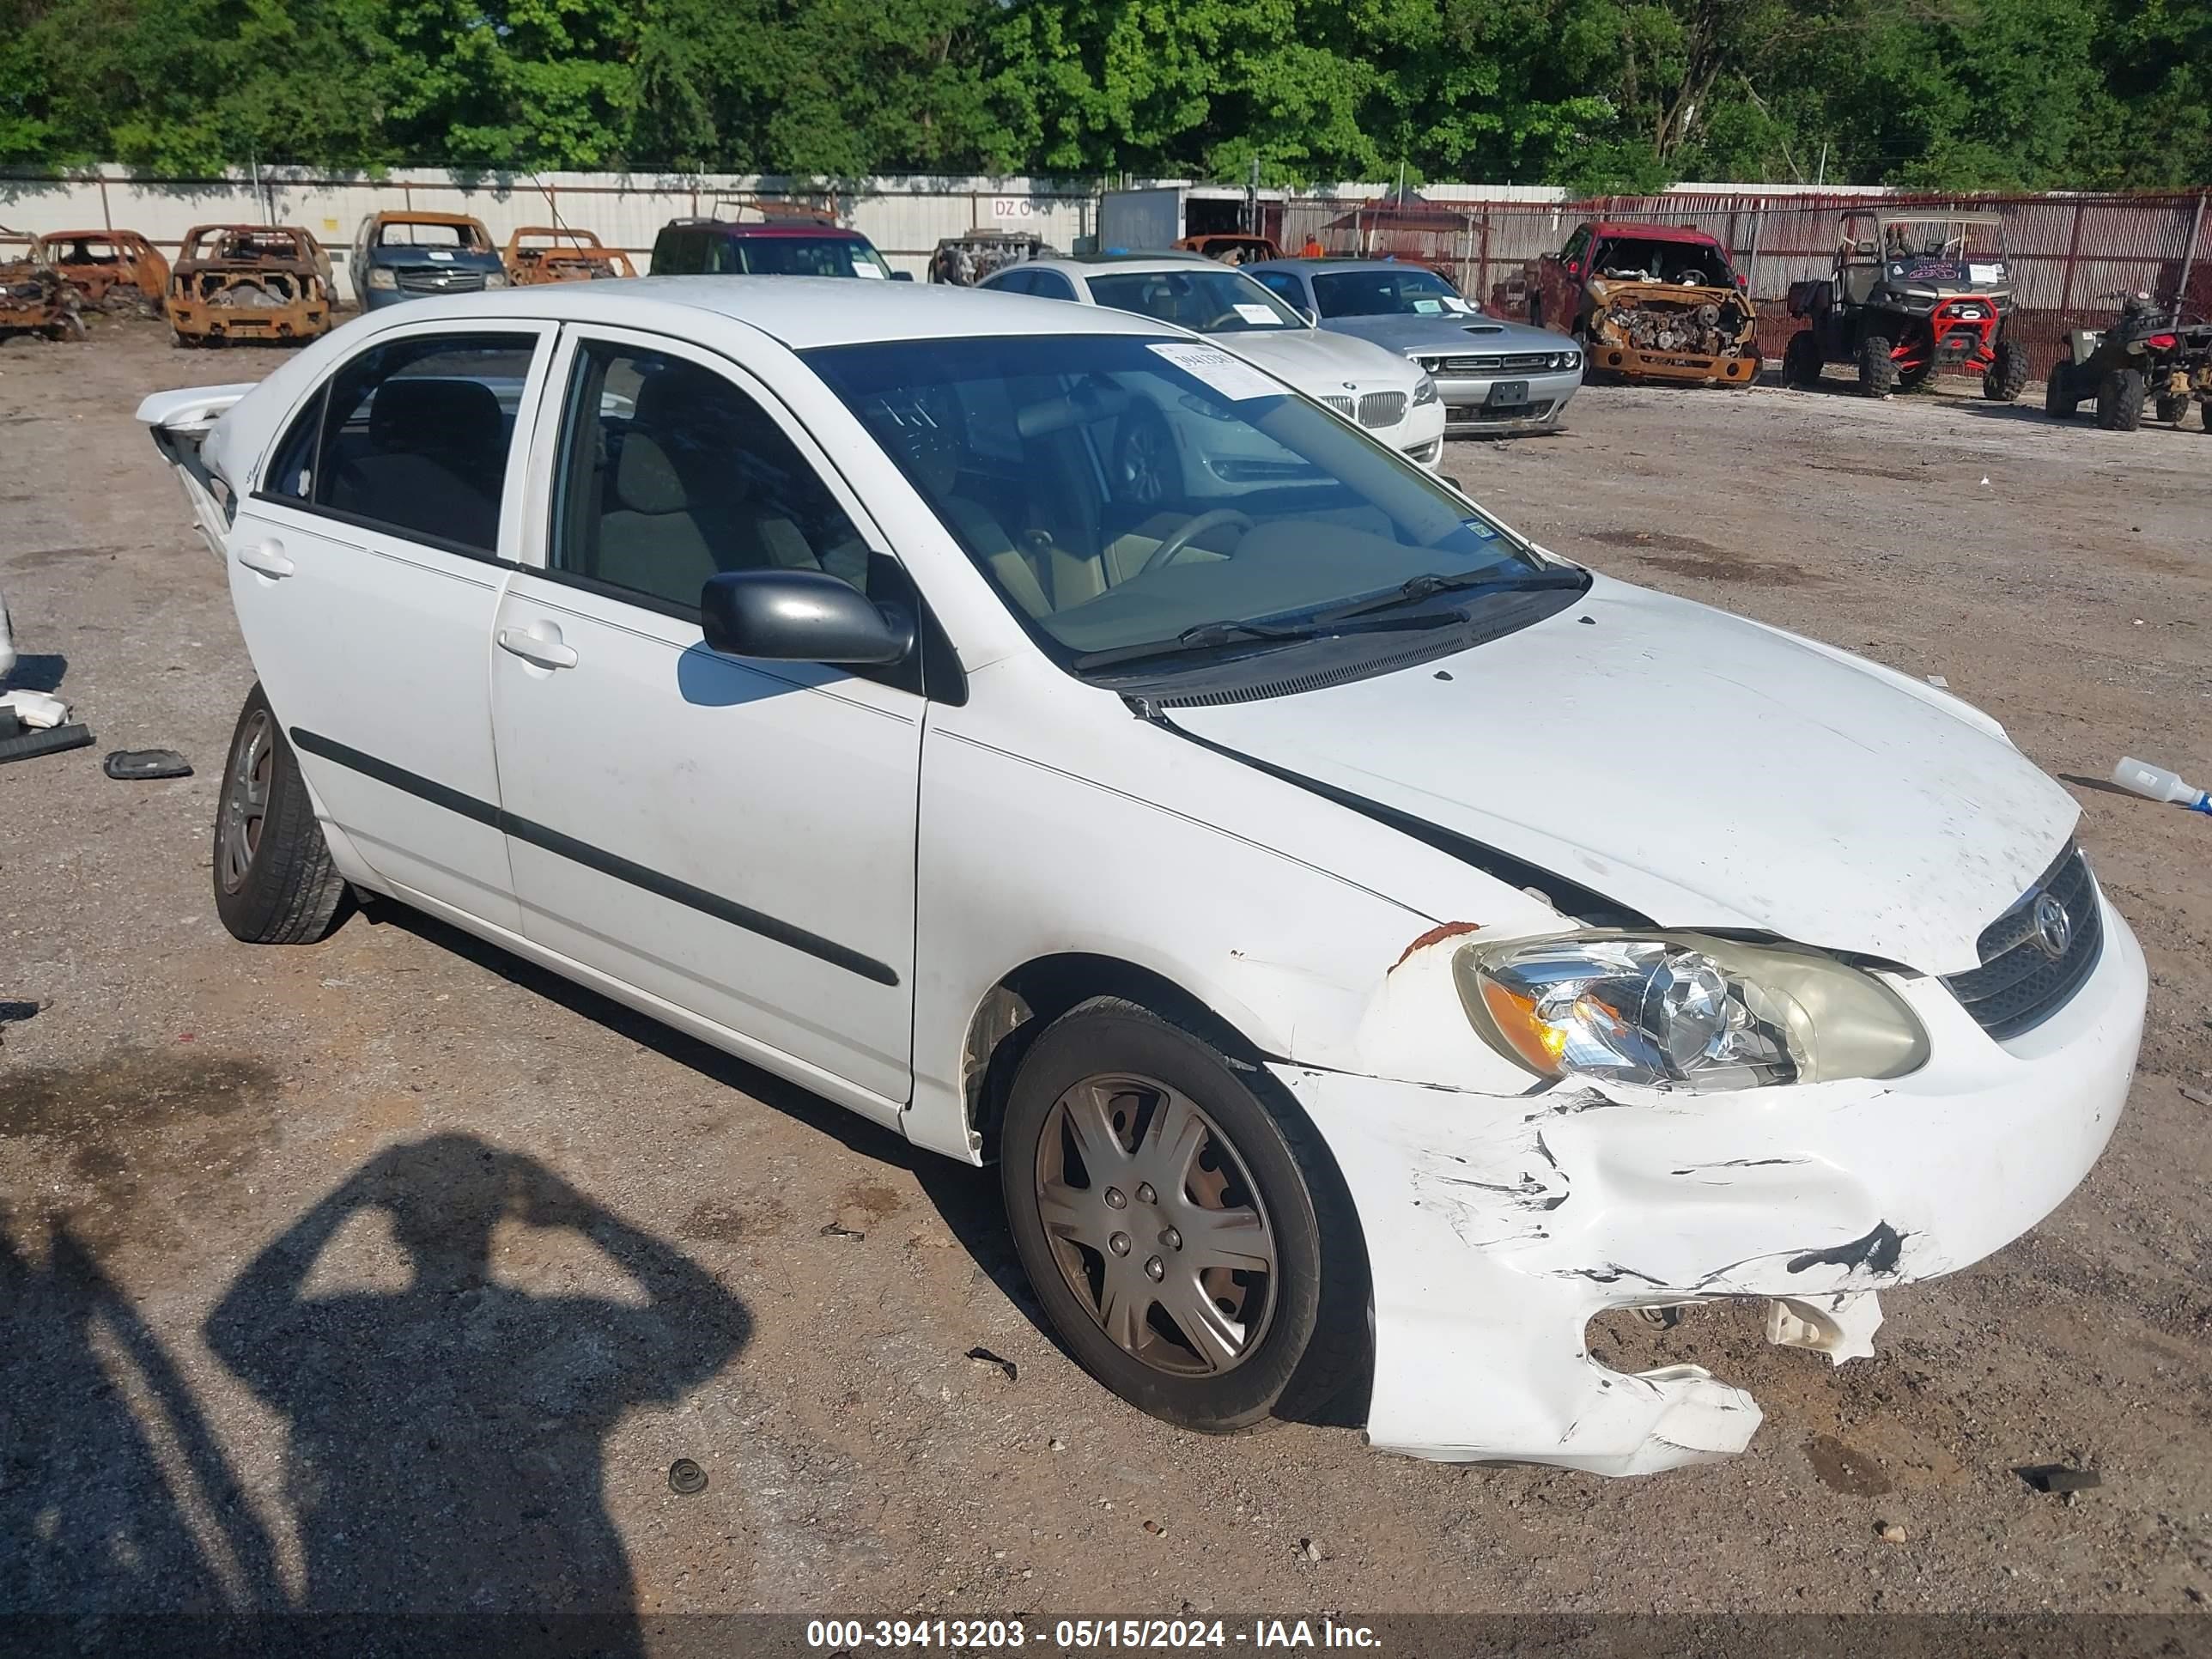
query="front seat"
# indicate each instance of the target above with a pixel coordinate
(680, 506)
(435, 463)
(930, 444)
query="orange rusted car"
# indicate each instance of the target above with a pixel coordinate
(33, 299)
(249, 283)
(545, 254)
(110, 269)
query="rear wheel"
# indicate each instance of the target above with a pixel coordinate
(2172, 406)
(2060, 399)
(1800, 359)
(274, 880)
(2007, 374)
(2120, 400)
(1877, 366)
(1191, 1241)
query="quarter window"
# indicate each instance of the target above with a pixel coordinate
(414, 438)
(1284, 286)
(669, 474)
(1051, 285)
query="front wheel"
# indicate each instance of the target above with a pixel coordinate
(2172, 406)
(1193, 1245)
(1800, 359)
(1877, 366)
(274, 880)
(2007, 374)
(2120, 400)
(2060, 399)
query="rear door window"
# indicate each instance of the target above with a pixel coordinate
(415, 437)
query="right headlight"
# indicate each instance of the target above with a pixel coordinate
(1684, 1011)
(383, 276)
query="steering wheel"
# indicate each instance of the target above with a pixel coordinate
(1183, 538)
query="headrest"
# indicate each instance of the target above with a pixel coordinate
(1090, 401)
(646, 479)
(431, 416)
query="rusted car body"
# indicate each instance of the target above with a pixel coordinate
(1250, 250)
(249, 283)
(34, 299)
(1650, 302)
(545, 254)
(110, 269)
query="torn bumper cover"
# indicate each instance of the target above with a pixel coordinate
(1495, 1227)
(1651, 330)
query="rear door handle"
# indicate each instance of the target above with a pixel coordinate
(531, 648)
(267, 557)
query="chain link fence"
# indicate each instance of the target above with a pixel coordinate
(2071, 256)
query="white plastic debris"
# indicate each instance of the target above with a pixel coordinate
(36, 708)
(1939, 681)
(2158, 784)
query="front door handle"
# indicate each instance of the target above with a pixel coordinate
(267, 557)
(546, 652)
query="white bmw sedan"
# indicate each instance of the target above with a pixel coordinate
(1380, 390)
(1265, 869)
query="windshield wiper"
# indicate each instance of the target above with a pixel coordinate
(1202, 638)
(1474, 583)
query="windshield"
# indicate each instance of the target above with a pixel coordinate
(1939, 239)
(810, 256)
(1641, 259)
(1397, 291)
(1119, 492)
(1207, 300)
(403, 234)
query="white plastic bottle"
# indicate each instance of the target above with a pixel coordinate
(2159, 784)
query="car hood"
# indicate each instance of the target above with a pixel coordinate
(455, 259)
(1704, 769)
(1319, 363)
(1447, 334)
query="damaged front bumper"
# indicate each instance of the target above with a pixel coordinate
(1492, 404)
(1495, 1227)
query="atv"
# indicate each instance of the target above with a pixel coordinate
(2147, 352)
(1914, 291)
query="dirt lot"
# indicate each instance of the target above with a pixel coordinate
(225, 1387)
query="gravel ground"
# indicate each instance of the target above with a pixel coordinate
(390, 1272)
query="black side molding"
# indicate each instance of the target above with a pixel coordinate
(594, 858)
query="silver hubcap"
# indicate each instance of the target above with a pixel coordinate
(1155, 1225)
(245, 801)
(1145, 461)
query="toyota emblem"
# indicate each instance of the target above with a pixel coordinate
(2054, 928)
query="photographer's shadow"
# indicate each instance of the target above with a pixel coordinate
(445, 1439)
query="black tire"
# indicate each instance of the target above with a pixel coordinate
(2120, 400)
(1147, 466)
(1313, 1342)
(1535, 311)
(2172, 407)
(2060, 399)
(1877, 368)
(2204, 414)
(274, 880)
(1913, 379)
(1802, 359)
(2007, 374)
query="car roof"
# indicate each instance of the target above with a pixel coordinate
(738, 228)
(1654, 233)
(409, 216)
(1138, 265)
(1332, 267)
(801, 311)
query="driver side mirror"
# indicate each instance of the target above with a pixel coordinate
(800, 616)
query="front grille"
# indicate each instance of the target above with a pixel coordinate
(1491, 362)
(1382, 409)
(417, 280)
(2019, 983)
(1341, 406)
(1469, 413)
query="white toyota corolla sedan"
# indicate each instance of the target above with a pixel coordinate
(1368, 945)
(1380, 390)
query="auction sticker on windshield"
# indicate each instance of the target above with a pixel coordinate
(1232, 379)
(1256, 314)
